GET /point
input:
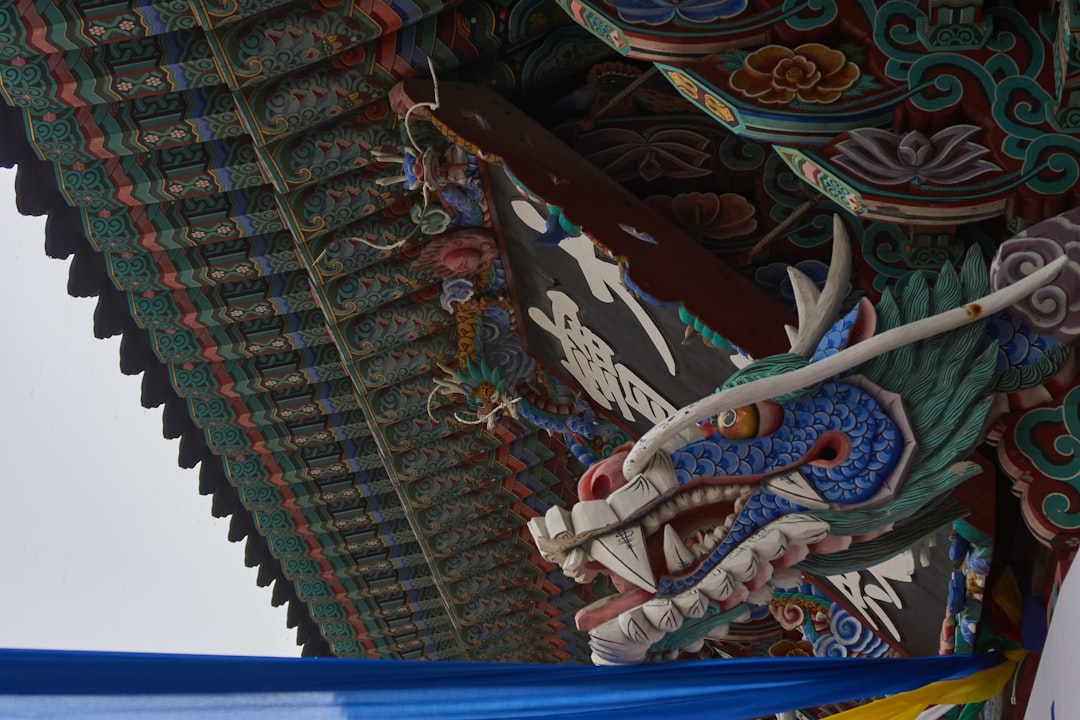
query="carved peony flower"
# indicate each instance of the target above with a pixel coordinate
(811, 73)
(658, 12)
(884, 158)
(718, 217)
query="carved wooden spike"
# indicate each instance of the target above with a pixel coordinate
(794, 487)
(677, 556)
(818, 311)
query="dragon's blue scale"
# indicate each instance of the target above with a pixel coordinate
(836, 337)
(756, 459)
(876, 444)
(712, 451)
(729, 464)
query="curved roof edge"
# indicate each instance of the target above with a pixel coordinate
(36, 194)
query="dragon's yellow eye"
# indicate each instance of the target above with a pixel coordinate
(739, 424)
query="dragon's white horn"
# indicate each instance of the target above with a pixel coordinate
(819, 310)
(390, 180)
(391, 157)
(763, 389)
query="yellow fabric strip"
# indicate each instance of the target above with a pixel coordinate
(977, 687)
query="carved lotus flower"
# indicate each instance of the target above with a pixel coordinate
(626, 154)
(718, 217)
(811, 73)
(884, 158)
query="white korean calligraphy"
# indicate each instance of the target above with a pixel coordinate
(871, 591)
(591, 362)
(602, 277)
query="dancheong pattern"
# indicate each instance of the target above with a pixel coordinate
(318, 288)
(218, 157)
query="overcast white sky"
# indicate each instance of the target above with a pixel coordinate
(105, 543)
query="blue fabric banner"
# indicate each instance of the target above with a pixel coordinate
(49, 684)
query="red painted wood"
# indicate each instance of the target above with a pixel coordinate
(673, 269)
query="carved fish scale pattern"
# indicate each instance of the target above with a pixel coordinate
(836, 406)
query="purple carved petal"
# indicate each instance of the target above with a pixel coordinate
(957, 159)
(871, 164)
(959, 171)
(914, 149)
(945, 140)
(883, 158)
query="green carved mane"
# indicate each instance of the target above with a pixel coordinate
(945, 383)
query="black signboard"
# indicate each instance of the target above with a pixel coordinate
(584, 324)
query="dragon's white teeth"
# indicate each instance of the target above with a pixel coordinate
(633, 496)
(794, 487)
(623, 552)
(801, 528)
(538, 529)
(740, 563)
(691, 603)
(589, 515)
(637, 627)
(717, 584)
(661, 470)
(662, 613)
(768, 543)
(651, 523)
(558, 522)
(677, 556)
(611, 646)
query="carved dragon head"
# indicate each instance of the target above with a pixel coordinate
(832, 449)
